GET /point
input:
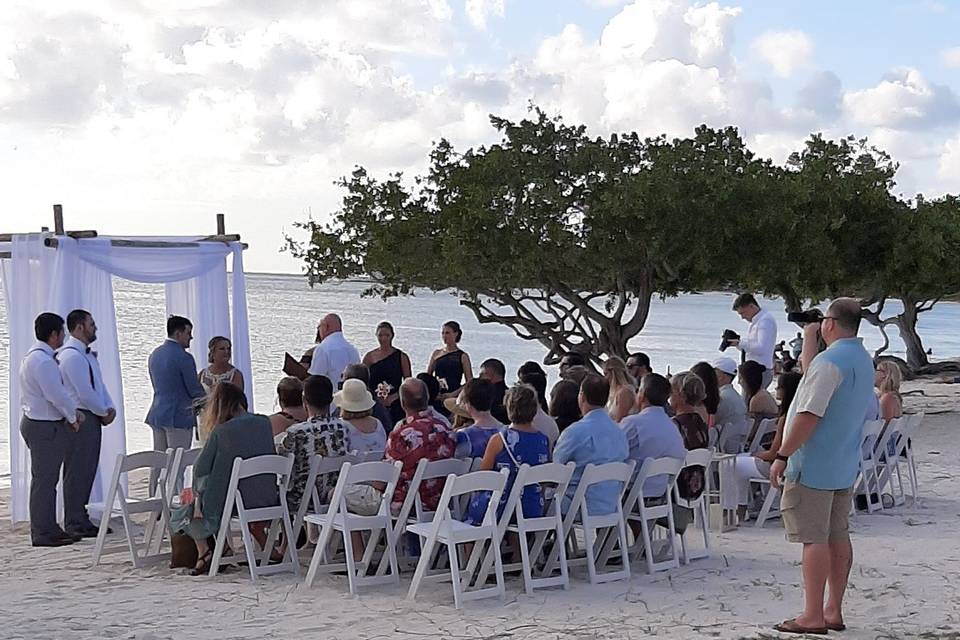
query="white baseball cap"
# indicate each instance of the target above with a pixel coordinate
(727, 365)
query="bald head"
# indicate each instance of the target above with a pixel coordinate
(844, 319)
(414, 396)
(330, 324)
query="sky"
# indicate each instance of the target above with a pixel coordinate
(148, 117)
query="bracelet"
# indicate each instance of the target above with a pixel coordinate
(783, 458)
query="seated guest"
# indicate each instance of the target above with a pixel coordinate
(356, 405)
(623, 388)
(651, 433)
(510, 448)
(494, 371)
(290, 399)
(380, 412)
(687, 393)
(760, 404)
(219, 352)
(476, 397)
(594, 439)
(757, 465)
(576, 374)
(238, 434)
(571, 359)
(731, 410)
(887, 381)
(564, 403)
(638, 365)
(542, 422)
(433, 389)
(712, 400)
(420, 436)
(319, 435)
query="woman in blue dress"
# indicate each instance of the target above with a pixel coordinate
(518, 444)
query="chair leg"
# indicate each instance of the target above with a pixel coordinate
(249, 547)
(319, 552)
(455, 573)
(589, 539)
(351, 565)
(222, 535)
(426, 551)
(647, 542)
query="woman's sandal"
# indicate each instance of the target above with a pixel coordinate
(203, 564)
(791, 626)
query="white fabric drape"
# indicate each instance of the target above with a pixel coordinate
(78, 275)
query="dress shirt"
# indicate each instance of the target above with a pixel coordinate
(82, 377)
(761, 339)
(652, 434)
(42, 394)
(332, 356)
(594, 439)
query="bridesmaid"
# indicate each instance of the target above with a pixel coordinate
(449, 364)
(389, 367)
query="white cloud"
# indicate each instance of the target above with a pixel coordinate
(903, 99)
(478, 11)
(951, 57)
(785, 51)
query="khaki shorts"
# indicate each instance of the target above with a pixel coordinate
(815, 516)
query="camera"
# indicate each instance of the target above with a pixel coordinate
(729, 335)
(810, 316)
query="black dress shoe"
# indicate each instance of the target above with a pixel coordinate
(72, 537)
(51, 542)
(86, 532)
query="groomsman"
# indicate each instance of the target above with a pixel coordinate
(50, 417)
(84, 382)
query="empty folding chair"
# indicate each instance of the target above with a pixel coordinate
(451, 532)
(279, 467)
(695, 458)
(868, 483)
(339, 518)
(117, 503)
(888, 460)
(646, 511)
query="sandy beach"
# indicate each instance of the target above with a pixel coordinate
(903, 584)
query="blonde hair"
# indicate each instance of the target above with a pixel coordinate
(690, 387)
(615, 371)
(892, 377)
(225, 401)
(212, 346)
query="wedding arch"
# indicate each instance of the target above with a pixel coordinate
(63, 270)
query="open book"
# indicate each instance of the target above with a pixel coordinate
(293, 367)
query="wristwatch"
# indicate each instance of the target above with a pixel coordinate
(783, 458)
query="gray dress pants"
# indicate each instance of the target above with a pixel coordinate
(79, 470)
(170, 438)
(47, 441)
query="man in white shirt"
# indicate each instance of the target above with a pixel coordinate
(50, 416)
(761, 338)
(334, 353)
(83, 380)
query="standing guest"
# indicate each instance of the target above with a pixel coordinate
(623, 388)
(494, 371)
(173, 375)
(761, 337)
(511, 447)
(687, 393)
(419, 437)
(356, 404)
(565, 403)
(449, 364)
(651, 433)
(571, 359)
(542, 422)
(476, 397)
(83, 380)
(756, 466)
(731, 410)
(380, 412)
(433, 393)
(290, 399)
(320, 435)
(50, 417)
(818, 462)
(334, 353)
(238, 434)
(638, 365)
(760, 404)
(219, 352)
(711, 402)
(594, 439)
(388, 368)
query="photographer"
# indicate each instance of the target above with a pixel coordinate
(761, 336)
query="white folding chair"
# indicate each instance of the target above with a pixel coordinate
(552, 478)
(766, 427)
(732, 437)
(116, 503)
(887, 454)
(311, 501)
(273, 465)
(367, 456)
(338, 518)
(600, 532)
(868, 482)
(913, 426)
(448, 531)
(637, 510)
(771, 502)
(695, 458)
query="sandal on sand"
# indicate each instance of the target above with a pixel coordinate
(791, 626)
(836, 626)
(203, 564)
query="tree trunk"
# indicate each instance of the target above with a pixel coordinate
(907, 324)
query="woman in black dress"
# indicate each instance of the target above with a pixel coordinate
(389, 367)
(449, 364)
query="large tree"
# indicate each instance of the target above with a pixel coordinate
(562, 237)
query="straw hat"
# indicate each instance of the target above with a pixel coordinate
(354, 397)
(455, 407)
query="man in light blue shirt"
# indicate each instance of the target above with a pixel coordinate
(651, 433)
(594, 439)
(819, 459)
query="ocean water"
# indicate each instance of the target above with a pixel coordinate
(284, 311)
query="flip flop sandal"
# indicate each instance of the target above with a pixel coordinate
(203, 567)
(791, 626)
(836, 626)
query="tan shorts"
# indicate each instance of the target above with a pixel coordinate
(815, 516)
